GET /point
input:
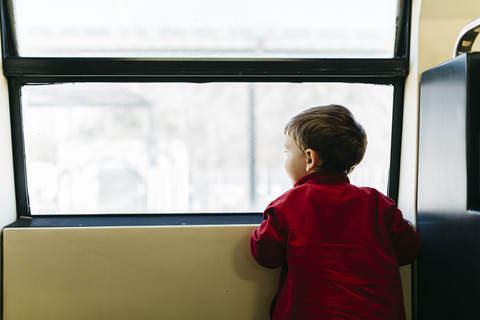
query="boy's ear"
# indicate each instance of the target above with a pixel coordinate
(313, 160)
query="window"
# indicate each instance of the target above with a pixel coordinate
(179, 107)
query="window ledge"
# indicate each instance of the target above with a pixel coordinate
(136, 220)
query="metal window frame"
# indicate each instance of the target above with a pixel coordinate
(21, 71)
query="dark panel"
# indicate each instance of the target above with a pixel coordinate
(448, 268)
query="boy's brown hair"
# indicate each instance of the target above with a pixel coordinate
(333, 133)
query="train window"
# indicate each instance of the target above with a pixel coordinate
(213, 28)
(159, 107)
(179, 147)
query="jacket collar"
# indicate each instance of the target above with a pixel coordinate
(323, 177)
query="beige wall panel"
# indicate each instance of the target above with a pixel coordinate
(134, 273)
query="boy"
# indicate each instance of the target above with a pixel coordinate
(339, 245)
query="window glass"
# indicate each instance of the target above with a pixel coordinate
(207, 28)
(180, 147)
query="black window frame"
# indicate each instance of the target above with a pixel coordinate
(20, 71)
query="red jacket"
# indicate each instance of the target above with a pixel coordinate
(339, 246)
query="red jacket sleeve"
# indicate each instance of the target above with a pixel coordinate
(268, 241)
(405, 239)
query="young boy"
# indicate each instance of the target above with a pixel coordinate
(339, 245)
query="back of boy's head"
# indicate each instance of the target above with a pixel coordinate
(333, 133)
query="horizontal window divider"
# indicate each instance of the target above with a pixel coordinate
(31, 70)
(75, 79)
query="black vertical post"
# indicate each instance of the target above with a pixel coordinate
(396, 140)
(18, 149)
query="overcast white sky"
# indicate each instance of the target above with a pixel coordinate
(205, 13)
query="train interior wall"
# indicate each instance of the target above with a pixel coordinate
(186, 271)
